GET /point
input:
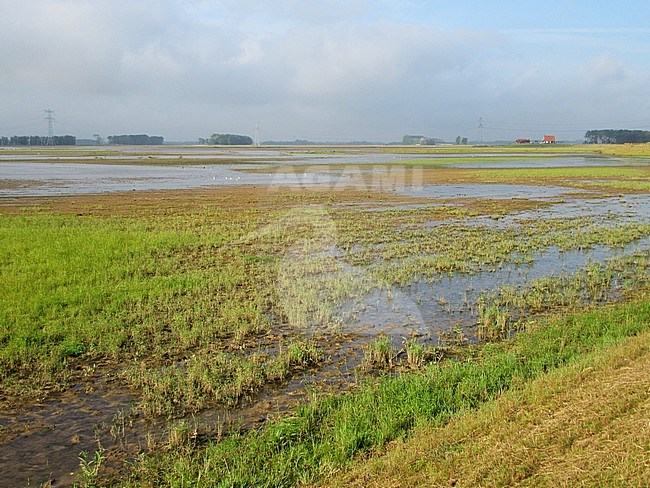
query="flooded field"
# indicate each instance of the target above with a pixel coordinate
(36, 174)
(151, 307)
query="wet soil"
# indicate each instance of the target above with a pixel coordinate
(41, 444)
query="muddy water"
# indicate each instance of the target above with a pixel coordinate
(431, 308)
(54, 176)
(487, 190)
(542, 162)
(42, 444)
(627, 208)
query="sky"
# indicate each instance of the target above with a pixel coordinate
(324, 70)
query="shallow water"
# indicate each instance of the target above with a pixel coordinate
(42, 443)
(52, 175)
(624, 208)
(58, 179)
(430, 308)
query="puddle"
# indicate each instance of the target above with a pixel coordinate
(59, 179)
(406, 207)
(626, 207)
(42, 444)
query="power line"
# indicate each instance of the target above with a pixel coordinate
(49, 116)
(21, 125)
(256, 140)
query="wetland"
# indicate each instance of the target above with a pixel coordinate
(201, 314)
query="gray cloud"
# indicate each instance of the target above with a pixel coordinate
(323, 70)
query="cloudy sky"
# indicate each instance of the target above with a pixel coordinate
(324, 70)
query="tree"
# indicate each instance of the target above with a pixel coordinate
(230, 140)
(409, 140)
(617, 136)
(136, 140)
(38, 141)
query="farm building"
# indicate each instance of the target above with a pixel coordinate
(522, 140)
(548, 140)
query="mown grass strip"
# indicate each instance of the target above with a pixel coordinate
(584, 424)
(323, 437)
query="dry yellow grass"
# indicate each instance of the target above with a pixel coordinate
(583, 425)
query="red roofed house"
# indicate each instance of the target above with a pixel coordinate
(548, 140)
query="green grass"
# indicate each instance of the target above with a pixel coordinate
(118, 288)
(541, 174)
(324, 436)
(464, 159)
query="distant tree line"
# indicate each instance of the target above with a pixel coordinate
(136, 140)
(420, 140)
(38, 141)
(227, 140)
(617, 136)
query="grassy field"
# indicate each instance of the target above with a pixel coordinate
(201, 287)
(205, 298)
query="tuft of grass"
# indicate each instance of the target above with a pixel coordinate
(379, 354)
(494, 323)
(418, 354)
